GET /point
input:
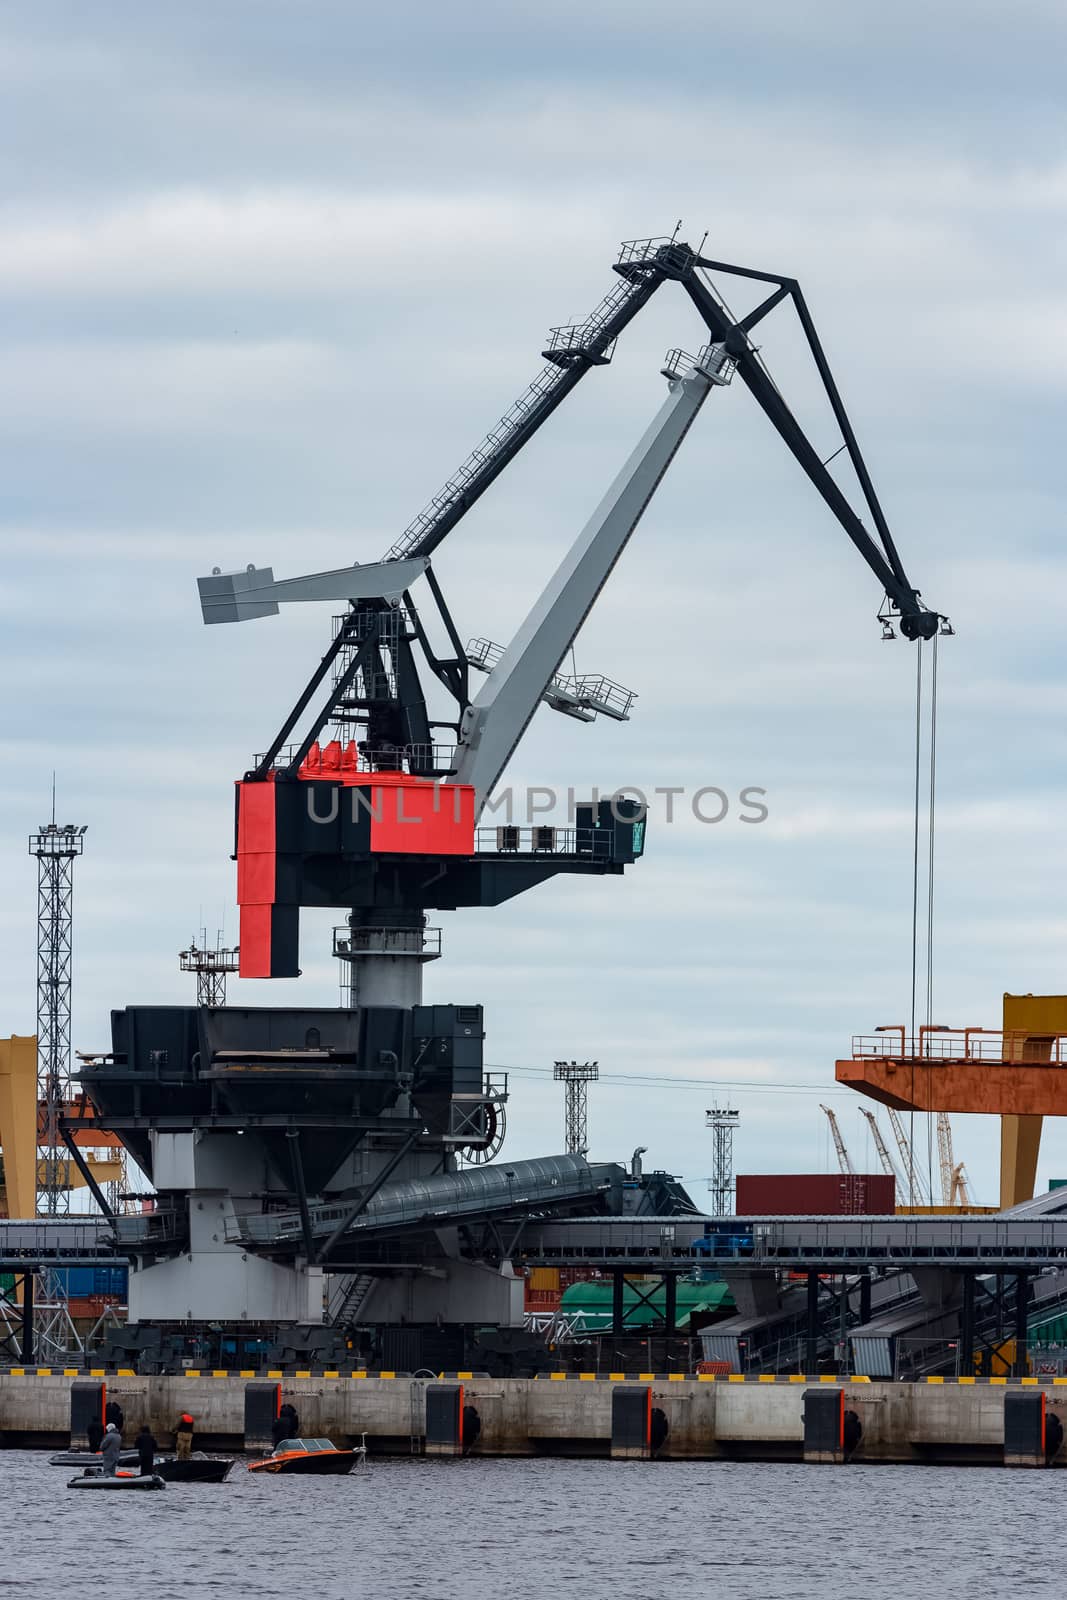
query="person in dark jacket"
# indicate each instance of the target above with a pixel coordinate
(94, 1432)
(289, 1412)
(113, 1413)
(146, 1448)
(279, 1430)
(183, 1437)
(111, 1449)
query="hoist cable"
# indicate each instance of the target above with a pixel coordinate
(930, 854)
(947, 1199)
(915, 899)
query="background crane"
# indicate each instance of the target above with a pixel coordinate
(889, 1166)
(844, 1160)
(914, 1185)
(954, 1189)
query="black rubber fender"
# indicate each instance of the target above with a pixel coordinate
(852, 1431)
(472, 1426)
(659, 1428)
(1053, 1434)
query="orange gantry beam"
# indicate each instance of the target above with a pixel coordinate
(996, 1088)
(1017, 1072)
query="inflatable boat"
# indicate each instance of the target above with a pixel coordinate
(86, 1458)
(96, 1479)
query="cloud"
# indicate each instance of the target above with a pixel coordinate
(263, 287)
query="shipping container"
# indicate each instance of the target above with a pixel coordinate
(818, 1194)
(83, 1283)
(544, 1278)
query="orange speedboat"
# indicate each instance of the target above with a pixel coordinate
(313, 1457)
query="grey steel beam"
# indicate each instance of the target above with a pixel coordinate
(360, 1205)
(254, 592)
(501, 711)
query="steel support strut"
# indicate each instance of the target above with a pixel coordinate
(812, 1339)
(884, 562)
(368, 1194)
(27, 1317)
(1020, 1366)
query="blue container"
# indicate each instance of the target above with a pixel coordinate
(83, 1283)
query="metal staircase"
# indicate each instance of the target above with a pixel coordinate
(570, 352)
(354, 1292)
(583, 697)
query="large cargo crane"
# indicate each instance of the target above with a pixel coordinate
(286, 1143)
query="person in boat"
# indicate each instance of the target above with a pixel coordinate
(279, 1430)
(111, 1449)
(113, 1413)
(183, 1436)
(292, 1420)
(146, 1448)
(94, 1432)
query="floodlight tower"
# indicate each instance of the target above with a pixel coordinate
(56, 849)
(211, 967)
(577, 1075)
(723, 1123)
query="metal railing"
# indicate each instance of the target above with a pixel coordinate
(635, 254)
(579, 339)
(590, 691)
(961, 1044)
(423, 943)
(433, 759)
(455, 486)
(509, 839)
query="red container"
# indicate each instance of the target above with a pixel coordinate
(816, 1194)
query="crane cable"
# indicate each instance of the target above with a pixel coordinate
(915, 900)
(947, 1198)
(930, 849)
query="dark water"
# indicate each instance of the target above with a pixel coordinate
(543, 1530)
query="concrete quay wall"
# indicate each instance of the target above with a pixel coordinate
(706, 1419)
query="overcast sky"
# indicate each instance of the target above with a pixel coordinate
(269, 270)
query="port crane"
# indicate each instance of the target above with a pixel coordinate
(351, 1119)
(954, 1187)
(914, 1184)
(376, 688)
(844, 1160)
(888, 1164)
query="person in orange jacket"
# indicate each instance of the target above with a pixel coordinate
(183, 1436)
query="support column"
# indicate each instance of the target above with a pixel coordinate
(1020, 1142)
(812, 1356)
(1019, 1366)
(967, 1326)
(865, 1297)
(670, 1303)
(617, 1282)
(27, 1318)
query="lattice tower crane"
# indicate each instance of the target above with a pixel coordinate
(884, 1156)
(844, 1160)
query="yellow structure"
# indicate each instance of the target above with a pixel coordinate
(24, 1169)
(1031, 1024)
(18, 1124)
